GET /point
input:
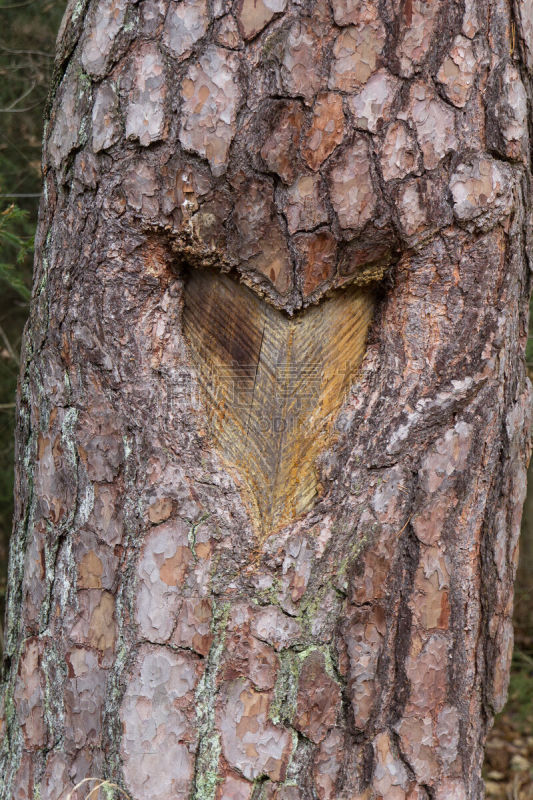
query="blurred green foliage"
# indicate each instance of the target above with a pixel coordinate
(520, 700)
(529, 346)
(14, 249)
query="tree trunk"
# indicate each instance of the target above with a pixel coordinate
(273, 422)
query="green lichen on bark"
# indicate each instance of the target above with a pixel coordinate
(283, 705)
(12, 741)
(206, 776)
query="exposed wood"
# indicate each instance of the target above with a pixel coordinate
(274, 385)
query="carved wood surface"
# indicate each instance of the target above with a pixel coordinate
(274, 386)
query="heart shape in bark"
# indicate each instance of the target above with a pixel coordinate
(274, 385)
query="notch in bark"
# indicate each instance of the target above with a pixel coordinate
(274, 384)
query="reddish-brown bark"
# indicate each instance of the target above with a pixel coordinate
(159, 632)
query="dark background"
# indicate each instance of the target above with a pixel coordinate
(27, 38)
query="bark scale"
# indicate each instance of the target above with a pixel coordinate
(156, 634)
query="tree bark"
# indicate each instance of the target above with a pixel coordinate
(273, 414)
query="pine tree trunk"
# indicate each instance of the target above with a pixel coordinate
(274, 418)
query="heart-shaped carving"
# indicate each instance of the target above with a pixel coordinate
(274, 385)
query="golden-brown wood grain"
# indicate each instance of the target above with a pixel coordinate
(273, 384)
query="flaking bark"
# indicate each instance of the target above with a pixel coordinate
(360, 651)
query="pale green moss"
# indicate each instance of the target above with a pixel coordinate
(283, 705)
(84, 82)
(310, 606)
(109, 791)
(68, 435)
(191, 536)
(207, 777)
(11, 745)
(113, 697)
(55, 673)
(271, 594)
(86, 505)
(208, 755)
(354, 553)
(78, 10)
(128, 448)
(273, 45)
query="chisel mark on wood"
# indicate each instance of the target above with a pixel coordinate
(273, 385)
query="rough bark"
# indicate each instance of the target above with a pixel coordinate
(159, 632)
